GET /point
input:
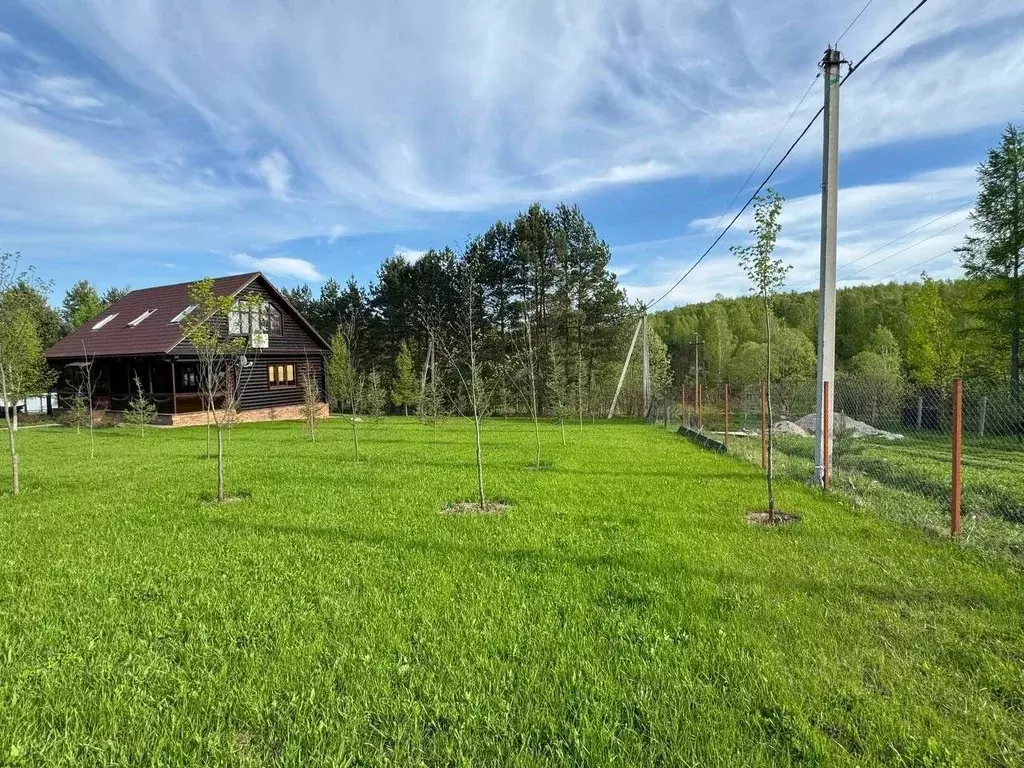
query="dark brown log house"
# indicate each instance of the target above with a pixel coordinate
(141, 335)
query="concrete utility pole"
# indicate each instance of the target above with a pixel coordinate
(647, 369)
(827, 285)
(696, 377)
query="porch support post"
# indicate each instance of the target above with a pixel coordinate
(174, 390)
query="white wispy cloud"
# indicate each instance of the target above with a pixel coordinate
(274, 169)
(70, 92)
(409, 254)
(349, 111)
(279, 266)
(926, 216)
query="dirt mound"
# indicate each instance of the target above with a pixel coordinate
(809, 424)
(789, 428)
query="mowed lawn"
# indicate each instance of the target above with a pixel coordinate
(622, 613)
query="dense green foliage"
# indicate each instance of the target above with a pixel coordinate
(623, 612)
(924, 332)
(995, 251)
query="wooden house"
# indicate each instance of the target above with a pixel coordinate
(141, 336)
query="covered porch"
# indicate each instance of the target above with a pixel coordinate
(171, 384)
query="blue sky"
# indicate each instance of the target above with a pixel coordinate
(148, 141)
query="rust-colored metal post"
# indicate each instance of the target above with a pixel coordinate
(726, 435)
(958, 396)
(764, 427)
(826, 429)
(696, 392)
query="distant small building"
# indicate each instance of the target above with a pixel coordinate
(141, 335)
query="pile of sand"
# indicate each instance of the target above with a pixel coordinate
(809, 424)
(789, 428)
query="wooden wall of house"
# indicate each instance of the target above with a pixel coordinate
(256, 391)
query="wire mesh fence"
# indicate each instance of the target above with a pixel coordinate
(892, 449)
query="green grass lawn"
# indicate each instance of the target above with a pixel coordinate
(622, 613)
(909, 481)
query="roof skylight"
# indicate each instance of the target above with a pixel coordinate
(141, 317)
(104, 321)
(184, 313)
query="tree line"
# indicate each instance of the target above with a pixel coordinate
(550, 316)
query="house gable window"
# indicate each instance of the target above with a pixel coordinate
(265, 318)
(281, 375)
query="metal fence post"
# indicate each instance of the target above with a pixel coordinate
(700, 417)
(684, 416)
(954, 523)
(984, 414)
(725, 436)
(764, 427)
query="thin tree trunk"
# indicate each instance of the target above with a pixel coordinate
(479, 461)
(405, 406)
(579, 384)
(355, 436)
(768, 394)
(561, 424)
(220, 463)
(208, 454)
(92, 420)
(15, 480)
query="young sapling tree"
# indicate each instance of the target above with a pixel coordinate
(141, 410)
(558, 392)
(767, 275)
(218, 330)
(464, 359)
(23, 367)
(403, 389)
(310, 407)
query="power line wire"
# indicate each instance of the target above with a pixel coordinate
(855, 19)
(746, 205)
(883, 41)
(919, 264)
(895, 240)
(902, 250)
(912, 231)
(785, 157)
(771, 146)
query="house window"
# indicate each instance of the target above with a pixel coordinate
(281, 375)
(265, 318)
(189, 378)
(273, 317)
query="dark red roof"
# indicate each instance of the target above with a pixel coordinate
(156, 335)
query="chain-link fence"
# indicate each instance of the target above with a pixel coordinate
(892, 449)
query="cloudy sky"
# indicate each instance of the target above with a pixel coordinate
(150, 141)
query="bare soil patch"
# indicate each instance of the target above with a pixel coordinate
(474, 508)
(229, 498)
(781, 518)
